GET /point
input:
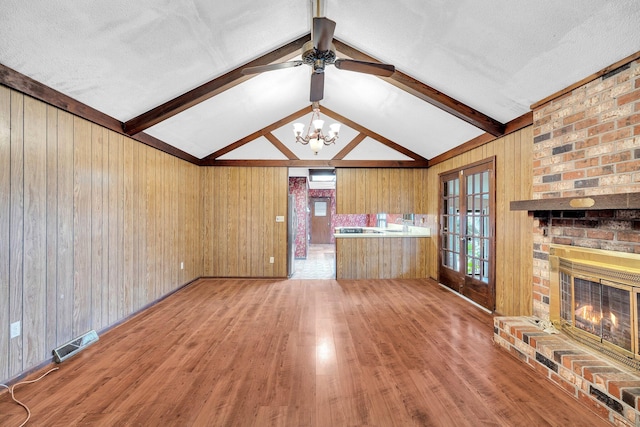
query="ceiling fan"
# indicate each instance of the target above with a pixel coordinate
(320, 52)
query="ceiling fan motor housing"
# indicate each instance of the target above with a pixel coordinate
(318, 59)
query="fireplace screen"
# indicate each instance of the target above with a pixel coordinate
(602, 309)
(595, 299)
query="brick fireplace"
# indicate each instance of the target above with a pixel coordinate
(586, 194)
(586, 143)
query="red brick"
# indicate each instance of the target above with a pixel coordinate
(541, 171)
(604, 170)
(629, 236)
(507, 337)
(570, 359)
(615, 387)
(573, 155)
(583, 164)
(573, 175)
(541, 369)
(541, 188)
(601, 128)
(600, 234)
(633, 166)
(590, 142)
(570, 388)
(616, 158)
(596, 407)
(582, 367)
(616, 135)
(629, 97)
(585, 123)
(573, 118)
(631, 120)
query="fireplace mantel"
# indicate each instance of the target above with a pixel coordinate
(599, 202)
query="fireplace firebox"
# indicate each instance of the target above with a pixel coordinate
(595, 298)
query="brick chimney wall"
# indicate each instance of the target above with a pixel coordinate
(586, 142)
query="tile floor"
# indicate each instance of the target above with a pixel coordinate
(320, 263)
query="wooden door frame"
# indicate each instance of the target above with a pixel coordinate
(492, 225)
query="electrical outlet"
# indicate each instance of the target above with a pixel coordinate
(15, 329)
(182, 265)
(280, 218)
(271, 260)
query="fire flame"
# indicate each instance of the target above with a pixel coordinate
(590, 315)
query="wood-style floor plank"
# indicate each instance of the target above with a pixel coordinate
(299, 353)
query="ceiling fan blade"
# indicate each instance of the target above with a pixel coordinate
(271, 67)
(374, 68)
(317, 87)
(323, 29)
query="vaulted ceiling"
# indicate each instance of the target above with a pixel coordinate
(171, 69)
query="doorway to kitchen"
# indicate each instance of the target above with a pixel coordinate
(312, 192)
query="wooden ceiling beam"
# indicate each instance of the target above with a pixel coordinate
(211, 160)
(255, 135)
(350, 146)
(429, 94)
(210, 89)
(353, 125)
(319, 163)
(280, 146)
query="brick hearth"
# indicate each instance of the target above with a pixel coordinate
(608, 388)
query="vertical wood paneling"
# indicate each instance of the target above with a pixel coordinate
(65, 228)
(75, 224)
(268, 232)
(390, 190)
(128, 234)
(381, 258)
(240, 232)
(97, 225)
(35, 231)
(16, 234)
(5, 214)
(513, 246)
(52, 227)
(82, 227)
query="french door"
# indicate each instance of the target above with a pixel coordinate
(467, 230)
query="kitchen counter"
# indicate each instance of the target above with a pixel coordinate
(391, 231)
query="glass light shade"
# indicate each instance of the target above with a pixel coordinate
(298, 128)
(335, 128)
(315, 145)
(317, 124)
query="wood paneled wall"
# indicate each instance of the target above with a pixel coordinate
(240, 228)
(390, 190)
(374, 190)
(514, 240)
(382, 258)
(93, 227)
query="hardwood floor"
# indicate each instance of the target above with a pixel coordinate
(299, 353)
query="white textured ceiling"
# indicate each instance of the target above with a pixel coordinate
(497, 56)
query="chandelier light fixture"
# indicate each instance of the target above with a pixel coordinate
(314, 137)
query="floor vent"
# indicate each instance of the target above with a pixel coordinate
(67, 350)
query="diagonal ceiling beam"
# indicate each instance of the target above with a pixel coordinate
(429, 94)
(350, 146)
(418, 161)
(255, 135)
(210, 89)
(280, 146)
(353, 125)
